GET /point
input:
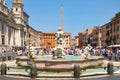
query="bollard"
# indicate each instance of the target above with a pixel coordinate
(3, 69)
(110, 57)
(9, 57)
(3, 58)
(33, 71)
(110, 68)
(17, 60)
(76, 71)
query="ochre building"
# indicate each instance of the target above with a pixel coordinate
(49, 40)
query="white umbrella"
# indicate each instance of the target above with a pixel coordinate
(114, 46)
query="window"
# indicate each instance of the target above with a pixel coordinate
(107, 26)
(117, 36)
(107, 34)
(118, 28)
(16, 9)
(110, 30)
(117, 21)
(114, 38)
(114, 29)
(110, 24)
(114, 23)
(3, 39)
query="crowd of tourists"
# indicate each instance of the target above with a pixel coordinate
(106, 52)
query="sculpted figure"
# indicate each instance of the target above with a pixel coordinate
(59, 36)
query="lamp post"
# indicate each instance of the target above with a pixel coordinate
(86, 36)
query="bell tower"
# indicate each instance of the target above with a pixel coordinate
(17, 7)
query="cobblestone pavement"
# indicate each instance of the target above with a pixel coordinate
(114, 77)
(12, 78)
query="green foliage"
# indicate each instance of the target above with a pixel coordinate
(89, 40)
(116, 16)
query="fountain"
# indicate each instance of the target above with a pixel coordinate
(56, 63)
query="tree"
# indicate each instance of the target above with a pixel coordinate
(116, 16)
(89, 40)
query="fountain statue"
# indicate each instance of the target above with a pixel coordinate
(31, 54)
(59, 38)
(85, 54)
(58, 51)
(87, 51)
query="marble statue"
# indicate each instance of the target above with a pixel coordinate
(60, 37)
(58, 50)
(87, 51)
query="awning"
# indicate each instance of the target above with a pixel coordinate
(114, 46)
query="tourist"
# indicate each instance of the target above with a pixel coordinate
(19, 52)
(13, 53)
(65, 51)
(94, 52)
(71, 51)
(3, 52)
(109, 53)
(103, 52)
(26, 52)
(98, 51)
(118, 53)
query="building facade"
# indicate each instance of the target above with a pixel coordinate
(76, 41)
(49, 40)
(87, 35)
(105, 35)
(81, 39)
(111, 32)
(96, 37)
(14, 26)
(12, 33)
(67, 39)
(90, 36)
(40, 39)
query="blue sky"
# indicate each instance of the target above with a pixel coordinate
(78, 14)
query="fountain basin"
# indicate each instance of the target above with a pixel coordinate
(46, 63)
